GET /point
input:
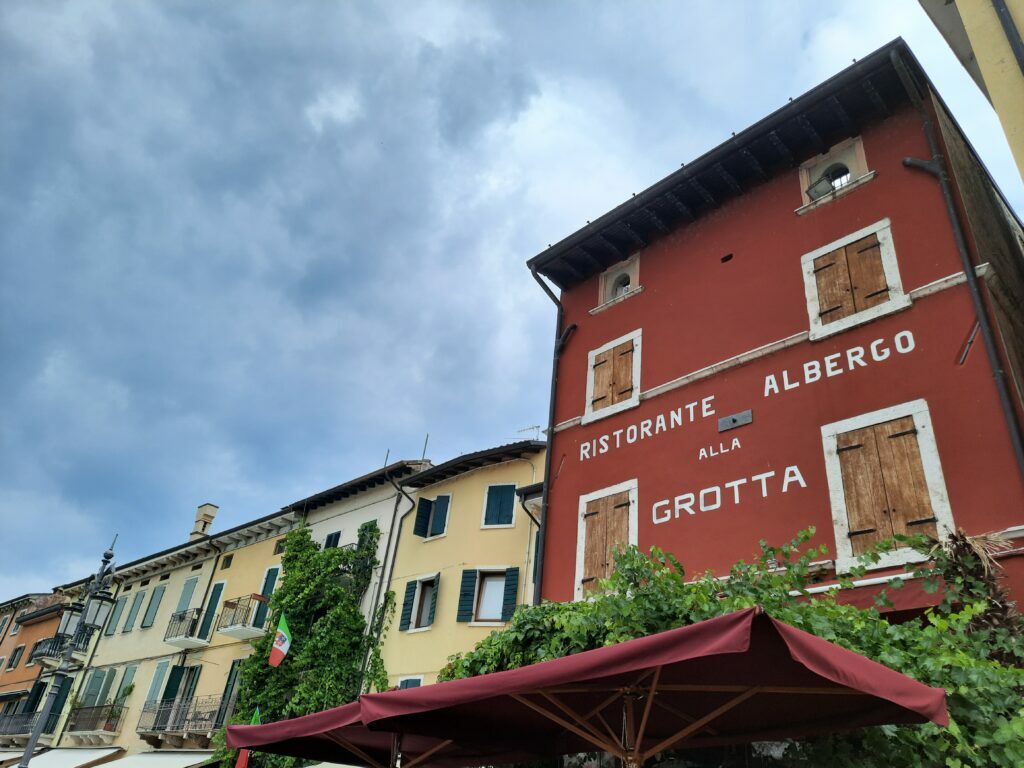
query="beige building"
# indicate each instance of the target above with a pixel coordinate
(985, 35)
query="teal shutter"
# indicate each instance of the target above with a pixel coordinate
(127, 679)
(269, 581)
(211, 611)
(133, 612)
(32, 701)
(411, 683)
(154, 606)
(173, 683)
(187, 590)
(420, 528)
(467, 591)
(92, 688)
(158, 681)
(508, 607)
(410, 595)
(190, 680)
(500, 505)
(58, 706)
(108, 681)
(439, 520)
(433, 600)
(115, 615)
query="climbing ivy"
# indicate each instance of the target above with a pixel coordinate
(332, 655)
(972, 643)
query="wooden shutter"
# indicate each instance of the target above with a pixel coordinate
(601, 397)
(115, 615)
(832, 277)
(211, 611)
(622, 373)
(500, 505)
(433, 600)
(108, 681)
(127, 679)
(32, 700)
(867, 275)
(467, 593)
(606, 527)
(422, 525)
(269, 582)
(187, 590)
(92, 688)
(154, 606)
(910, 506)
(158, 680)
(173, 683)
(439, 520)
(617, 530)
(863, 488)
(410, 595)
(133, 612)
(508, 606)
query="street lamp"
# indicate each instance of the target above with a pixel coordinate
(92, 615)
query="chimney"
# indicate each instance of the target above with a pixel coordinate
(204, 519)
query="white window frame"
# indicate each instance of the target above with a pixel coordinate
(860, 174)
(932, 467)
(630, 266)
(483, 512)
(589, 414)
(897, 298)
(14, 655)
(487, 570)
(403, 678)
(15, 626)
(418, 595)
(447, 520)
(581, 526)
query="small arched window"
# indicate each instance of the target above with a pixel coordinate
(836, 176)
(620, 286)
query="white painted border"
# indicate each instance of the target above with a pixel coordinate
(897, 298)
(483, 512)
(488, 569)
(843, 190)
(436, 575)
(829, 155)
(581, 525)
(403, 678)
(617, 300)
(631, 266)
(447, 520)
(845, 559)
(589, 414)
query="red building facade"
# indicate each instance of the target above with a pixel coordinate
(783, 335)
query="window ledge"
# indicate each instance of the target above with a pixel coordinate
(486, 624)
(858, 182)
(435, 538)
(413, 630)
(892, 559)
(497, 525)
(897, 303)
(618, 299)
(611, 410)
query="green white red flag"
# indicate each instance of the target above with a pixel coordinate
(282, 642)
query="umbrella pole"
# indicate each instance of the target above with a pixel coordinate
(396, 750)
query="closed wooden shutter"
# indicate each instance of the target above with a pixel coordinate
(154, 605)
(210, 614)
(269, 582)
(439, 519)
(867, 275)
(884, 484)
(832, 277)
(133, 612)
(92, 688)
(422, 525)
(622, 374)
(602, 394)
(467, 594)
(433, 600)
(511, 593)
(910, 506)
(158, 680)
(115, 614)
(410, 595)
(606, 527)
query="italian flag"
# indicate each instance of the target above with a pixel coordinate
(282, 642)
(243, 754)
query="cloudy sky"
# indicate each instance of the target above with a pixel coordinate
(246, 249)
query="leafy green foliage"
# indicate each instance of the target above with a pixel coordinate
(955, 646)
(332, 655)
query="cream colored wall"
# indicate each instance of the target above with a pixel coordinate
(1003, 77)
(465, 545)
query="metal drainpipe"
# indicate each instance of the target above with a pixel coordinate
(1011, 31)
(206, 594)
(561, 337)
(936, 167)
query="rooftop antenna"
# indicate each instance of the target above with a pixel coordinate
(387, 456)
(425, 441)
(534, 428)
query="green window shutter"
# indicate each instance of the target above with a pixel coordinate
(211, 610)
(108, 681)
(422, 517)
(467, 591)
(187, 590)
(92, 688)
(410, 595)
(269, 582)
(508, 607)
(127, 679)
(500, 505)
(413, 683)
(439, 520)
(173, 683)
(115, 615)
(158, 681)
(154, 606)
(133, 612)
(332, 540)
(433, 600)
(34, 696)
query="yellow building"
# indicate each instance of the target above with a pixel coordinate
(986, 36)
(463, 559)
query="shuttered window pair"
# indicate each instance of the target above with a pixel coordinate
(499, 508)
(420, 603)
(612, 376)
(884, 483)
(16, 657)
(332, 540)
(850, 279)
(606, 528)
(486, 595)
(410, 682)
(432, 517)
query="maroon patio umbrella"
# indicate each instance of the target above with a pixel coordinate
(734, 679)
(339, 736)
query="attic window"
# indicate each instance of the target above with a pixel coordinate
(834, 173)
(833, 178)
(620, 281)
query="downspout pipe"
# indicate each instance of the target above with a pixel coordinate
(561, 337)
(1011, 31)
(937, 168)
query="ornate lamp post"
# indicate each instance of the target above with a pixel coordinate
(76, 617)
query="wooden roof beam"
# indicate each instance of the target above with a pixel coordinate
(837, 109)
(780, 146)
(729, 179)
(812, 133)
(753, 164)
(701, 190)
(682, 207)
(875, 96)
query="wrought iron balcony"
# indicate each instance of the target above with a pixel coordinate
(189, 629)
(48, 652)
(197, 717)
(104, 719)
(244, 617)
(21, 724)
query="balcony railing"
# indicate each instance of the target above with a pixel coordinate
(200, 715)
(92, 719)
(21, 724)
(190, 629)
(48, 652)
(244, 617)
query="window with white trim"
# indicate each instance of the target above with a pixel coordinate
(834, 173)
(619, 281)
(17, 627)
(613, 377)
(500, 506)
(420, 603)
(885, 479)
(488, 595)
(15, 657)
(852, 280)
(432, 516)
(607, 523)
(410, 682)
